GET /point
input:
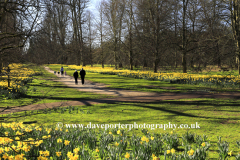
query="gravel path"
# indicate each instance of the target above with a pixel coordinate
(97, 87)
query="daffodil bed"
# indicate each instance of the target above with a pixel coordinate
(19, 76)
(19, 141)
(228, 81)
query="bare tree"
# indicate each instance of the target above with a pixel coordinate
(129, 20)
(184, 40)
(17, 22)
(78, 8)
(176, 8)
(159, 22)
(91, 34)
(114, 11)
(234, 6)
(100, 27)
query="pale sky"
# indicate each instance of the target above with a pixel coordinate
(92, 5)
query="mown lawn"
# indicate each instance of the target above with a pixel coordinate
(114, 81)
(216, 117)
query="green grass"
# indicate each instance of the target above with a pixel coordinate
(115, 81)
(215, 117)
(44, 90)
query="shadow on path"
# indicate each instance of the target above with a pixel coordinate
(121, 95)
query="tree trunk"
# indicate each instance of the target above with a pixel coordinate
(238, 56)
(102, 59)
(130, 39)
(238, 64)
(191, 63)
(175, 58)
(184, 62)
(218, 57)
(120, 65)
(115, 53)
(1, 65)
(145, 62)
(235, 13)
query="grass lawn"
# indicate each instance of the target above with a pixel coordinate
(216, 117)
(114, 81)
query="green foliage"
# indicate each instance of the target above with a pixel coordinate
(223, 148)
(199, 140)
(188, 138)
(171, 140)
(238, 144)
(18, 90)
(237, 157)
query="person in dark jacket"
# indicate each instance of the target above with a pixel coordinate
(75, 75)
(82, 74)
(61, 70)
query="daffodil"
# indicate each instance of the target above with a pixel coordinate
(168, 151)
(69, 154)
(191, 152)
(230, 153)
(144, 138)
(58, 154)
(59, 140)
(17, 138)
(172, 151)
(66, 142)
(127, 155)
(46, 153)
(76, 150)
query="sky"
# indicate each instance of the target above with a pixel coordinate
(92, 5)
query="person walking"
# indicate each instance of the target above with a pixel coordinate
(82, 74)
(62, 70)
(75, 75)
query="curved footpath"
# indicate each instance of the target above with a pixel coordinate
(120, 95)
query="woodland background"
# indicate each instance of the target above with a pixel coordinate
(123, 33)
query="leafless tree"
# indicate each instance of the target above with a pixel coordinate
(234, 7)
(18, 19)
(114, 12)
